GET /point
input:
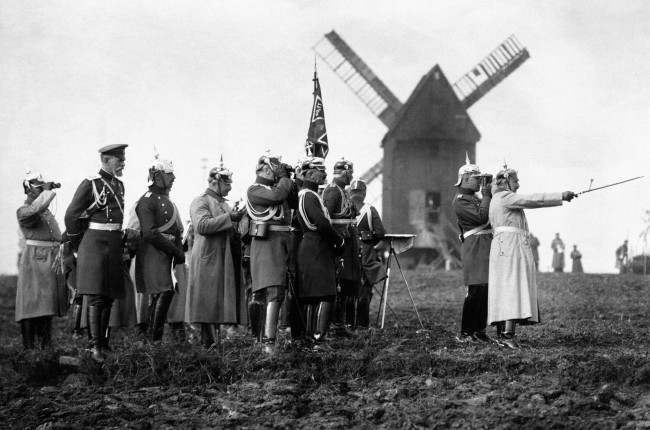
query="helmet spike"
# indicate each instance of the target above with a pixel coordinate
(467, 158)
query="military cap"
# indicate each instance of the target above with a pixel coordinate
(358, 185)
(116, 149)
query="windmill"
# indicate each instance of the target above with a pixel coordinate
(426, 140)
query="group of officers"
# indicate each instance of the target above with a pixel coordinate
(301, 247)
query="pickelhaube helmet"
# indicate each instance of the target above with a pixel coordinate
(358, 185)
(342, 166)
(467, 168)
(505, 172)
(159, 165)
(310, 163)
(268, 159)
(31, 178)
(220, 173)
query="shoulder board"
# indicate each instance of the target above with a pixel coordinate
(93, 177)
(147, 194)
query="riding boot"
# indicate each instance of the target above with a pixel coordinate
(77, 308)
(27, 330)
(96, 333)
(351, 312)
(308, 312)
(363, 313)
(255, 313)
(178, 331)
(45, 331)
(322, 320)
(160, 314)
(207, 334)
(151, 310)
(271, 326)
(106, 328)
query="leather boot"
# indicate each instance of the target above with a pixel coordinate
(310, 321)
(151, 310)
(106, 328)
(77, 309)
(255, 314)
(160, 314)
(96, 333)
(271, 326)
(178, 331)
(363, 313)
(45, 331)
(207, 334)
(27, 330)
(322, 320)
(351, 312)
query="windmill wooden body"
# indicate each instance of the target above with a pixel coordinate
(426, 140)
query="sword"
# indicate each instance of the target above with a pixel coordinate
(608, 185)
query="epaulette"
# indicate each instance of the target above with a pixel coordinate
(147, 194)
(93, 177)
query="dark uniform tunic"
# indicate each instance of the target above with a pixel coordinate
(153, 263)
(98, 199)
(316, 256)
(340, 208)
(371, 231)
(473, 212)
(270, 256)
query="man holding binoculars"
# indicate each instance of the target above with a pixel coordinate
(269, 202)
(41, 292)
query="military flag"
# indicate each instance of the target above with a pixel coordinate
(316, 144)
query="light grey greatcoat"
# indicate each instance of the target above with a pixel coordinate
(212, 289)
(513, 289)
(40, 291)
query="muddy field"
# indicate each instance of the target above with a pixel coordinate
(586, 366)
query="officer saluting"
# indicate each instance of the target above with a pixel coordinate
(94, 226)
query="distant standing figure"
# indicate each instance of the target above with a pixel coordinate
(534, 244)
(576, 257)
(558, 254)
(621, 257)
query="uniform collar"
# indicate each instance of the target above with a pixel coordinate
(214, 194)
(104, 174)
(264, 181)
(310, 185)
(157, 190)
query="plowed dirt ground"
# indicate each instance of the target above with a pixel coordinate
(586, 366)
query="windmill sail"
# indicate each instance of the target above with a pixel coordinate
(375, 171)
(487, 74)
(359, 77)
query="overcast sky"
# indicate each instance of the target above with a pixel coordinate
(200, 79)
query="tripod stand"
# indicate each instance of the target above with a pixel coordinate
(398, 243)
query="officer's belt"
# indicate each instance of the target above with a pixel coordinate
(346, 221)
(41, 243)
(510, 229)
(481, 229)
(168, 236)
(105, 226)
(275, 227)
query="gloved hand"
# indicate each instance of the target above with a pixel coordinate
(282, 171)
(235, 216)
(568, 195)
(486, 191)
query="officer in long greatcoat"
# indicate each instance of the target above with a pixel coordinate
(512, 296)
(343, 214)
(93, 223)
(41, 292)
(268, 203)
(212, 294)
(476, 236)
(317, 252)
(161, 247)
(371, 232)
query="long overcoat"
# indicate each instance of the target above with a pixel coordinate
(212, 293)
(513, 287)
(40, 291)
(558, 254)
(316, 253)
